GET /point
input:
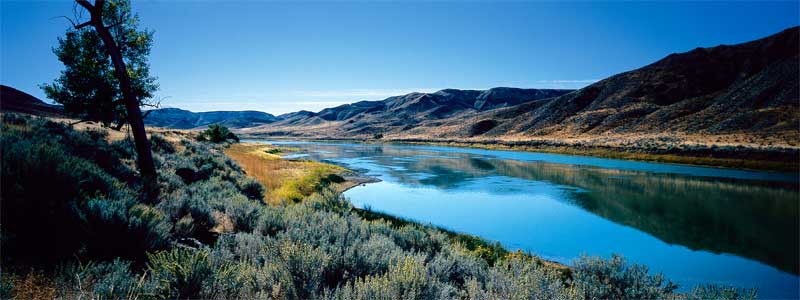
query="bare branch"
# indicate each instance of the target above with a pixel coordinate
(88, 6)
(79, 121)
(84, 24)
(65, 17)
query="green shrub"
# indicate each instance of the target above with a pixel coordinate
(597, 278)
(194, 217)
(721, 292)
(244, 213)
(407, 278)
(102, 280)
(39, 216)
(124, 229)
(180, 272)
(306, 266)
(251, 188)
(217, 134)
(159, 144)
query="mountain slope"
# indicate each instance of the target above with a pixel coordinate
(14, 100)
(400, 113)
(184, 119)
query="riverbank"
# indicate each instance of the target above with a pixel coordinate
(777, 159)
(290, 180)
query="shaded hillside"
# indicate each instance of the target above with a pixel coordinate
(400, 113)
(747, 88)
(184, 119)
(14, 100)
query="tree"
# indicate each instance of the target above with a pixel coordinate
(86, 87)
(217, 134)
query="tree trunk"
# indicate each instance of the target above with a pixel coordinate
(143, 154)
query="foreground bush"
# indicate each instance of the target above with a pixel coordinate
(210, 237)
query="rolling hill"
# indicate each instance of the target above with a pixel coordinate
(14, 100)
(401, 113)
(184, 119)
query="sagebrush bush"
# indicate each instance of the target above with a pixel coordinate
(252, 188)
(160, 144)
(597, 278)
(181, 272)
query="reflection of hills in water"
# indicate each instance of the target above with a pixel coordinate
(757, 220)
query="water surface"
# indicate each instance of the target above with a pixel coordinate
(694, 224)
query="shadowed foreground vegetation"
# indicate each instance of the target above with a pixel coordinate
(74, 226)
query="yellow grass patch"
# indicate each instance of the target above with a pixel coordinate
(284, 180)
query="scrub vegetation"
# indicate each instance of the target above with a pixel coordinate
(75, 226)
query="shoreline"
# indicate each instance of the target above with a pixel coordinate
(706, 156)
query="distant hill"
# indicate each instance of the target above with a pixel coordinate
(400, 113)
(744, 94)
(14, 100)
(184, 119)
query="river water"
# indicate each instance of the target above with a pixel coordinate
(694, 224)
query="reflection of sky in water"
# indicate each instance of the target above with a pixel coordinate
(561, 206)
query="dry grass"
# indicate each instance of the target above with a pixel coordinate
(34, 285)
(284, 180)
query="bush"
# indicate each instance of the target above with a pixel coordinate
(124, 229)
(37, 217)
(596, 278)
(160, 144)
(217, 134)
(251, 188)
(406, 279)
(180, 272)
(721, 292)
(101, 280)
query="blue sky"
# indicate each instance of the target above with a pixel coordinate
(286, 56)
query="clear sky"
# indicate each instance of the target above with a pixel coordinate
(286, 56)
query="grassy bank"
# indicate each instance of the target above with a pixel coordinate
(75, 226)
(284, 180)
(635, 154)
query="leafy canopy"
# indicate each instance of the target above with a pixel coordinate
(87, 86)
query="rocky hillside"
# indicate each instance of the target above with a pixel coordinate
(401, 113)
(184, 119)
(749, 88)
(14, 100)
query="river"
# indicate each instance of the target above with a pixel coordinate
(694, 224)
